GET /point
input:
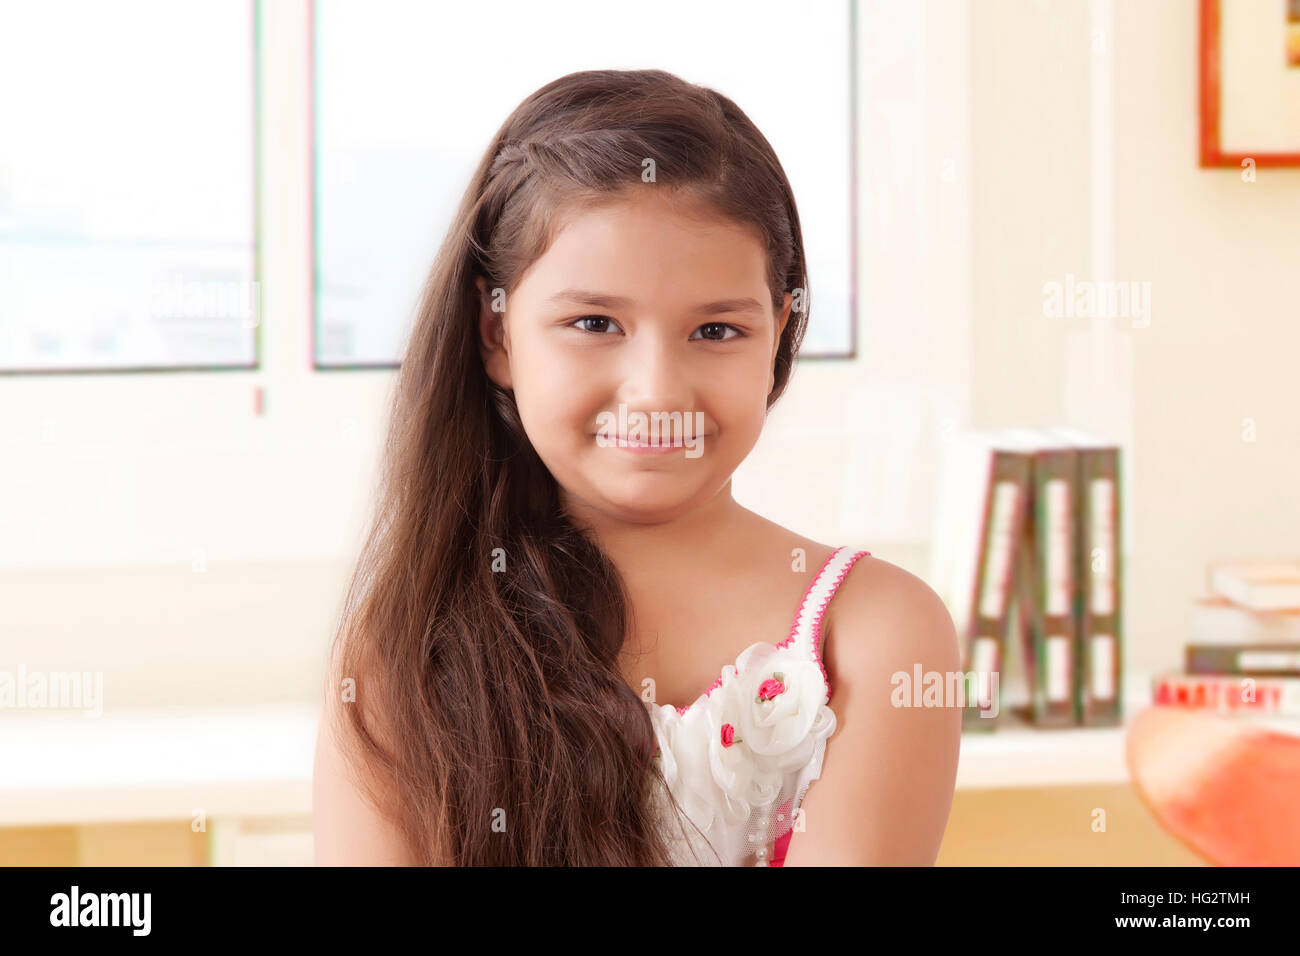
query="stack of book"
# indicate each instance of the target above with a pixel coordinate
(1027, 553)
(1243, 652)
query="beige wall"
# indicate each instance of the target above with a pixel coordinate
(1222, 256)
(1030, 134)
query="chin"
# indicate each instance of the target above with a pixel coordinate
(653, 506)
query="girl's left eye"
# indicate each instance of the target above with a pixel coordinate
(723, 325)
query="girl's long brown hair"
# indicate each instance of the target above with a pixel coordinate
(481, 627)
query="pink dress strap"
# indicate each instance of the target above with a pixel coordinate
(806, 632)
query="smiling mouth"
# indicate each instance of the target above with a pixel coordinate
(636, 443)
(622, 442)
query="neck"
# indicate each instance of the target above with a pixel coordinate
(642, 551)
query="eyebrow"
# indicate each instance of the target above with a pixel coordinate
(603, 301)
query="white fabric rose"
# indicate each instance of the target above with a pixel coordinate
(786, 714)
(775, 706)
(685, 756)
(730, 767)
(728, 756)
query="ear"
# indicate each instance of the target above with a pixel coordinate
(494, 343)
(781, 321)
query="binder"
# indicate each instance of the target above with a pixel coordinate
(983, 508)
(1023, 602)
(1098, 580)
(1053, 576)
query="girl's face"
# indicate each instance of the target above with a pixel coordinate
(647, 303)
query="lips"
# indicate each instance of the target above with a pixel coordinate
(623, 441)
(637, 443)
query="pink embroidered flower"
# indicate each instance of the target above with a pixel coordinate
(770, 688)
(728, 735)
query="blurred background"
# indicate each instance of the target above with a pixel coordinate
(214, 220)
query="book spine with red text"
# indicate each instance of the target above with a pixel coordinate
(1228, 693)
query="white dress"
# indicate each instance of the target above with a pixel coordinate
(740, 758)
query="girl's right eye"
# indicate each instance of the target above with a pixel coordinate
(592, 318)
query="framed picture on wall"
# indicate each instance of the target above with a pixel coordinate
(1293, 33)
(1250, 82)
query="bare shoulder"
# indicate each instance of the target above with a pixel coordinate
(348, 826)
(883, 612)
(889, 771)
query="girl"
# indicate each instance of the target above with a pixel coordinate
(565, 642)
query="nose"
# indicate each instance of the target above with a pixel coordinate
(656, 375)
